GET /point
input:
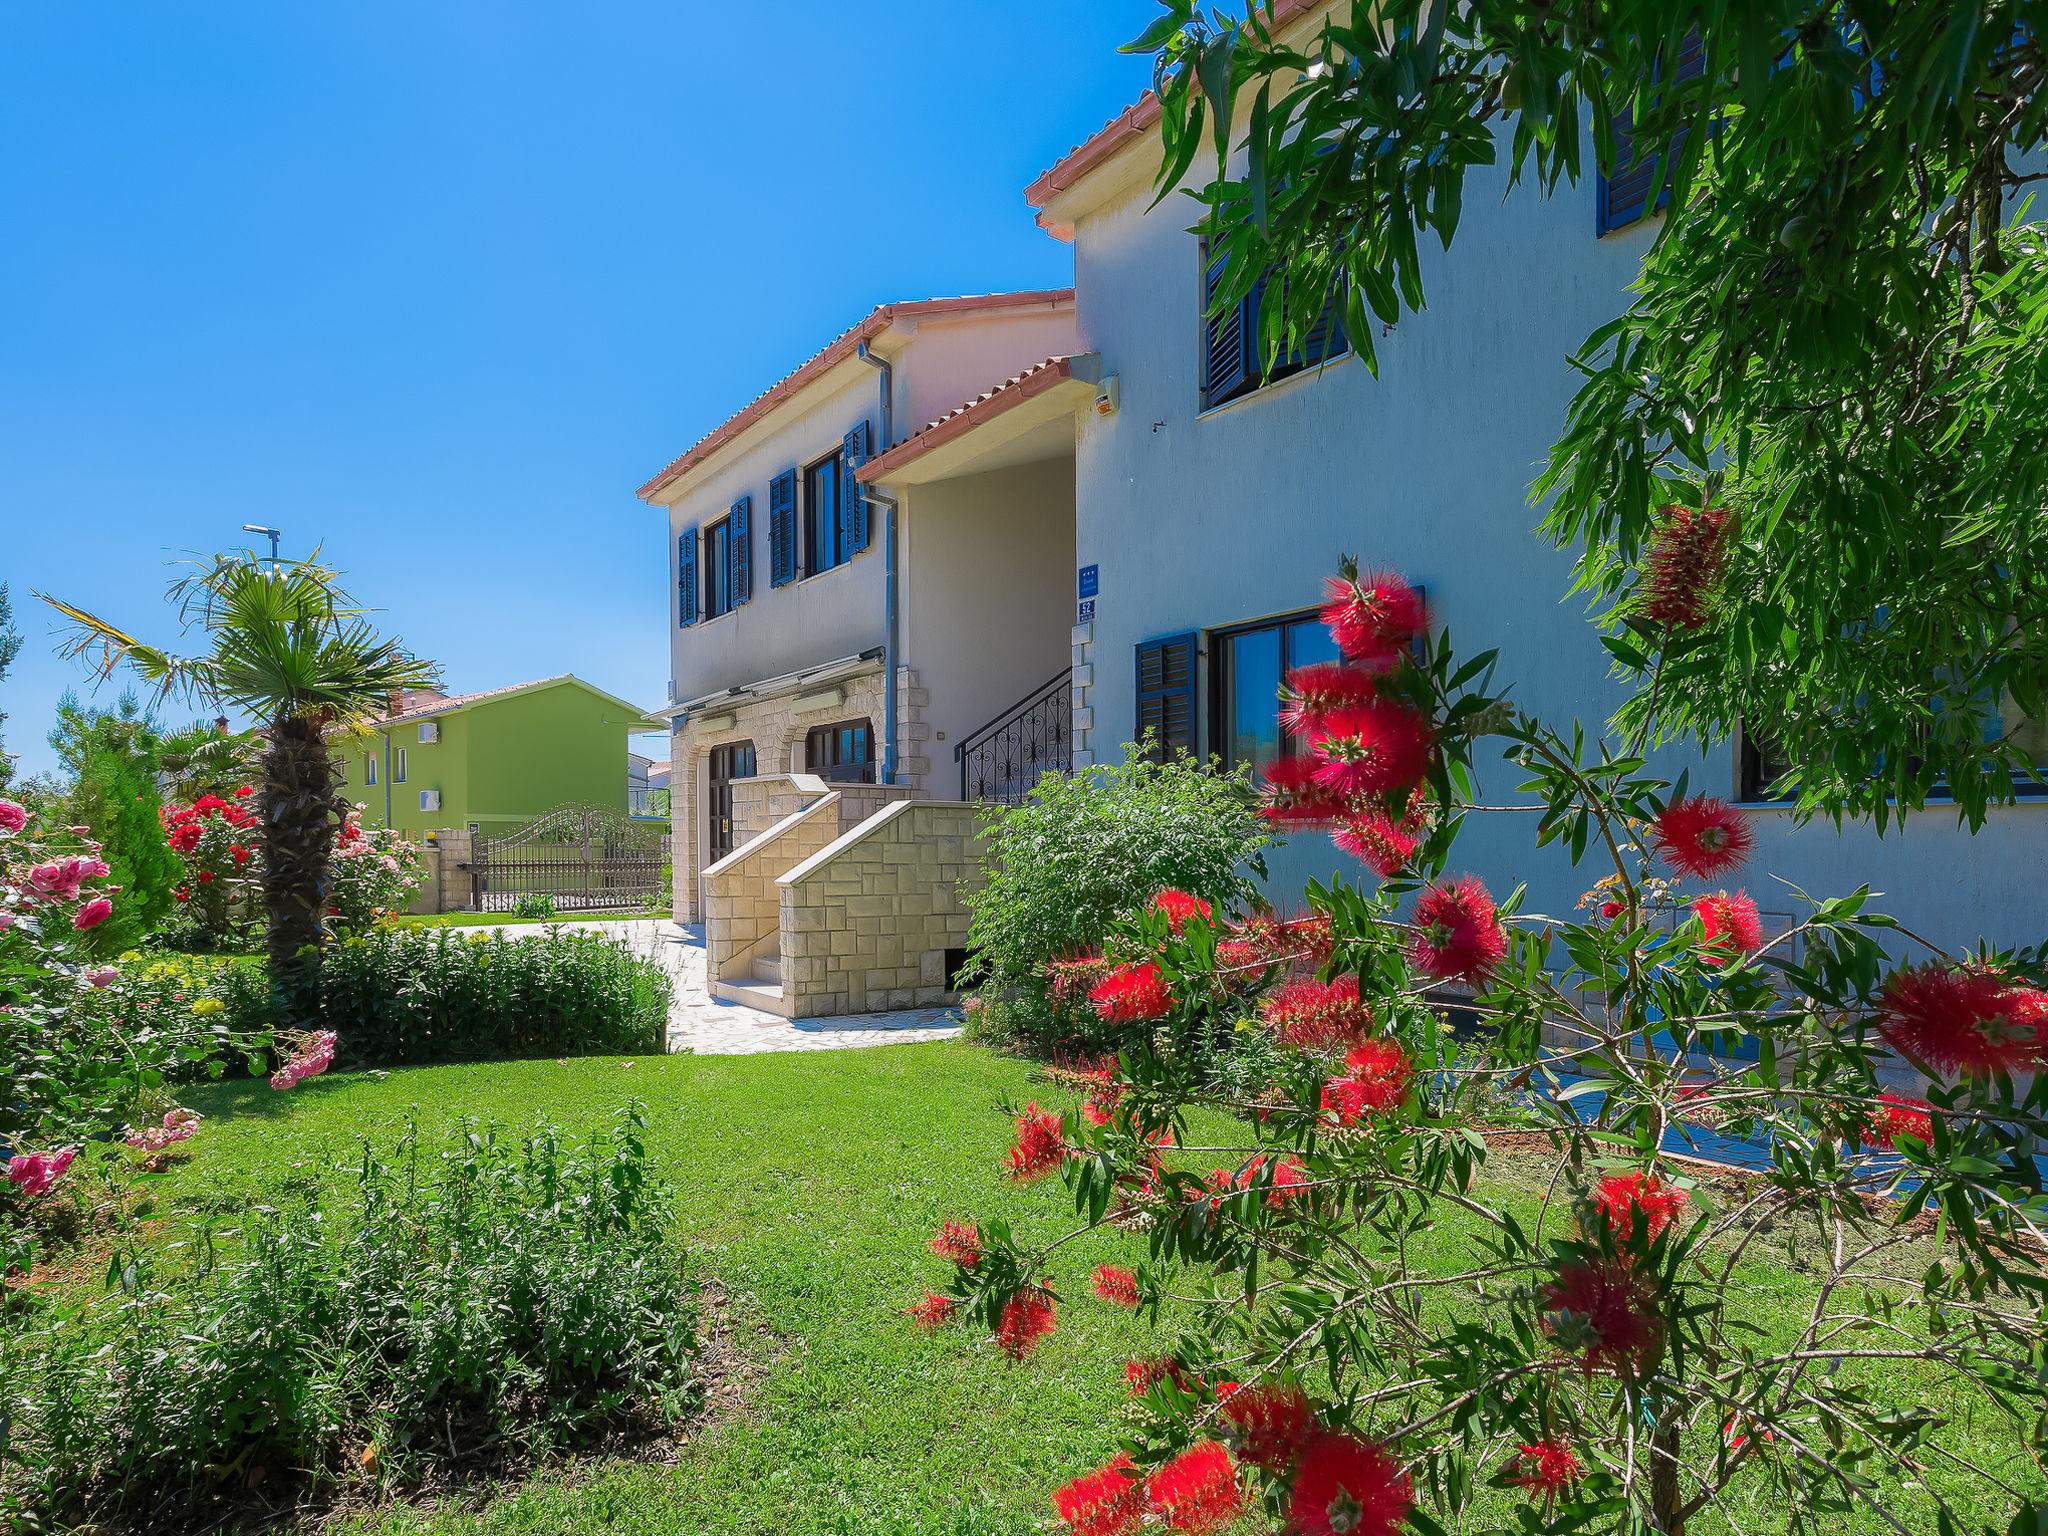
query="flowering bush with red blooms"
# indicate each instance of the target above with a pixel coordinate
(218, 841)
(1681, 578)
(1580, 1356)
(376, 872)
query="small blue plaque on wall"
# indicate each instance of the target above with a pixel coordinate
(1084, 612)
(1090, 581)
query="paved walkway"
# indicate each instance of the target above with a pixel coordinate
(700, 1023)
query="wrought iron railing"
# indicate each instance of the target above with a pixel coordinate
(1004, 759)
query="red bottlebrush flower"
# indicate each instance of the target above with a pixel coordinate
(1116, 1285)
(1347, 1487)
(1685, 566)
(1197, 1491)
(1316, 1015)
(1729, 925)
(960, 1242)
(1239, 962)
(1381, 748)
(1547, 1467)
(1103, 1099)
(1896, 1116)
(1141, 1374)
(1702, 837)
(1132, 994)
(1621, 1195)
(1070, 980)
(1294, 795)
(1041, 1144)
(933, 1312)
(1372, 618)
(1605, 1312)
(1458, 935)
(1266, 1426)
(1382, 843)
(1289, 1177)
(1110, 1501)
(1376, 1080)
(1026, 1318)
(1179, 906)
(1964, 1020)
(1312, 694)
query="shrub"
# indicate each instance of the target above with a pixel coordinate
(511, 1289)
(1598, 1356)
(376, 872)
(1089, 849)
(535, 906)
(113, 758)
(217, 838)
(405, 997)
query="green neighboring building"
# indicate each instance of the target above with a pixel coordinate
(492, 760)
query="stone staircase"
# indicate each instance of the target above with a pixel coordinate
(845, 898)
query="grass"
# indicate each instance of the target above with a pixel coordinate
(809, 1185)
(509, 919)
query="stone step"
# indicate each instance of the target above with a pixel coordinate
(767, 967)
(764, 995)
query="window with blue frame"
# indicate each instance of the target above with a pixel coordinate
(826, 541)
(1760, 765)
(717, 563)
(1247, 665)
(1624, 197)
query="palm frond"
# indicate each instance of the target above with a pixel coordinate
(104, 647)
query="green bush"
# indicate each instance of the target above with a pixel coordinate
(516, 1293)
(535, 906)
(409, 996)
(1088, 849)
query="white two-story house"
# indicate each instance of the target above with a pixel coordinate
(1211, 503)
(823, 626)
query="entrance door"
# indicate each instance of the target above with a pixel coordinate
(734, 760)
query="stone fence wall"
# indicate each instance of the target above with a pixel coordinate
(742, 905)
(870, 922)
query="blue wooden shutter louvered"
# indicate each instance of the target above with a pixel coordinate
(853, 500)
(1227, 340)
(740, 551)
(686, 578)
(1166, 695)
(1624, 198)
(782, 529)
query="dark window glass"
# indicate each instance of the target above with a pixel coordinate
(844, 752)
(824, 540)
(718, 568)
(734, 760)
(1251, 663)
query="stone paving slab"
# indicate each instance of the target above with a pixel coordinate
(708, 1026)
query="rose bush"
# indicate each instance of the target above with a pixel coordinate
(217, 841)
(376, 873)
(1594, 1358)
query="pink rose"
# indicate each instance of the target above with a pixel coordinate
(6, 921)
(104, 976)
(92, 914)
(33, 1173)
(12, 817)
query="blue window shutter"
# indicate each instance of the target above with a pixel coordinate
(782, 529)
(1227, 340)
(1624, 198)
(853, 501)
(740, 547)
(686, 578)
(1166, 694)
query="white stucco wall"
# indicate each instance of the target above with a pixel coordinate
(937, 364)
(990, 595)
(1204, 520)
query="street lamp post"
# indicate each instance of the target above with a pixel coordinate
(273, 534)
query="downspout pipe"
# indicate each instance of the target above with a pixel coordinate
(891, 608)
(386, 734)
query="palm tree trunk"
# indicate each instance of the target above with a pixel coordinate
(301, 808)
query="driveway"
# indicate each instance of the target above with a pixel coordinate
(702, 1024)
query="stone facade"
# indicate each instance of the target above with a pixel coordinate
(867, 923)
(777, 731)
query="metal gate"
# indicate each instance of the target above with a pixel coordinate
(584, 858)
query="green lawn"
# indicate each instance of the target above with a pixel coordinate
(809, 1185)
(497, 919)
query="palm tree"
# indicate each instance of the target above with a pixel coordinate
(290, 647)
(206, 757)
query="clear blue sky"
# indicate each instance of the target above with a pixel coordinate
(436, 284)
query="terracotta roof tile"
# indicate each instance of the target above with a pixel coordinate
(1013, 391)
(830, 355)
